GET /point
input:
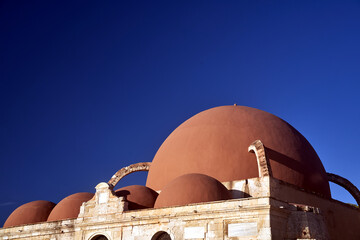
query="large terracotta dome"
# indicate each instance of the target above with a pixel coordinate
(69, 207)
(32, 212)
(215, 142)
(191, 188)
(138, 197)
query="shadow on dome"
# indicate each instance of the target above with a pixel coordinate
(238, 194)
(282, 164)
(138, 196)
(215, 142)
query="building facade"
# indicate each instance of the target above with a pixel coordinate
(229, 172)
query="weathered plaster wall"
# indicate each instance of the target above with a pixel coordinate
(342, 220)
(267, 214)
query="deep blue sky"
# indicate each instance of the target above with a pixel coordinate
(88, 87)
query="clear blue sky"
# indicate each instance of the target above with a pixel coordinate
(88, 87)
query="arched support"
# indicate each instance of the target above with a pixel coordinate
(264, 167)
(351, 188)
(137, 167)
(161, 235)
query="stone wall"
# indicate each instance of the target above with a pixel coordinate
(263, 208)
(342, 220)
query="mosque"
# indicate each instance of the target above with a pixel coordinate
(230, 172)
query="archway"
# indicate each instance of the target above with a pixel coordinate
(99, 237)
(143, 166)
(161, 236)
(343, 182)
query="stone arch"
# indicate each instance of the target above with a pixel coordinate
(137, 167)
(99, 237)
(263, 162)
(343, 182)
(161, 235)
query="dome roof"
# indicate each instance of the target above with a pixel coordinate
(138, 196)
(69, 207)
(191, 188)
(215, 142)
(32, 212)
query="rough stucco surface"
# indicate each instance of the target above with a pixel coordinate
(215, 142)
(342, 220)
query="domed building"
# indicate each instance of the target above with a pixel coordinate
(32, 212)
(69, 207)
(137, 196)
(191, 188)
(215, 142)
(230, 172)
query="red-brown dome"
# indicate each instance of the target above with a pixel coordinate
(32, 212)
(215, 142)
(191, 188)
(139, 197)
(69, 207)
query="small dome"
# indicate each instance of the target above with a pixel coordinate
(215, 142)
(69, 207)
(139, 197)
(32, 212)
(191, 188)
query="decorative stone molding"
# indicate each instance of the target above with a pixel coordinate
(103, 203)
(137, 167)
(264, 167)
(351, 188)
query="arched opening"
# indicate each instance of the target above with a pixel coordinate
(341, 194)
(137, 167)
(99, 237)
(343, 182)
(135, 178)
(161, 236)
